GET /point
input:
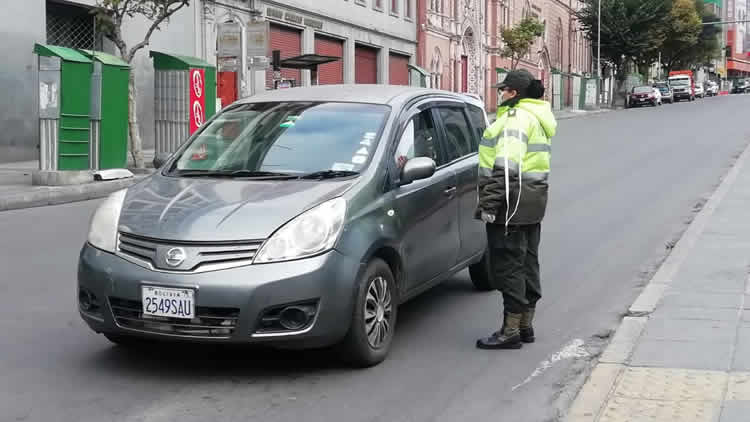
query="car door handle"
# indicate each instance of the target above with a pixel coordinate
(450, 191)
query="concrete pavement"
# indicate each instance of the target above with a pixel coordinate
(684, 353)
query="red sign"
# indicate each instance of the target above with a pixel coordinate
(197, 85)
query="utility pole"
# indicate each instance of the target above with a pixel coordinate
(599, 49)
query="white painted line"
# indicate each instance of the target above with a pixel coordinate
(572, 350)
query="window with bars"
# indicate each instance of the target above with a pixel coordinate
(378, 4)
(394, 7)
(71, 26)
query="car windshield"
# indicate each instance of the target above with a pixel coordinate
(679, 82)
(284, 139)
(642, 90)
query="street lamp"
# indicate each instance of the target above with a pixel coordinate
(599, 50)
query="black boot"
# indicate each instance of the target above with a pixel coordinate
(508, 337)
(526, 329)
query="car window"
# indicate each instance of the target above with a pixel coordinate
(419, 140)
(479, 121)
(287, 137)
(458, 134)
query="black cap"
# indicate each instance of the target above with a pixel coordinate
(518, 80)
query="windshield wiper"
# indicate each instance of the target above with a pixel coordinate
(329, 174)
(234, 173)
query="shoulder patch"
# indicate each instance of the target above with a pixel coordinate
(512, 112)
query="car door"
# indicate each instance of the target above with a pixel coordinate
(426, 211)
(463, 126)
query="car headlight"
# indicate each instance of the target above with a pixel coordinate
(103, 228)
(310, 233)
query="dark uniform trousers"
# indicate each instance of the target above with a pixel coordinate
(514, 261)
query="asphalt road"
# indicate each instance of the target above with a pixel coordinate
(623, 185)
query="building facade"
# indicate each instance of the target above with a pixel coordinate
(374, 39)
(738, 60)
(460, 44)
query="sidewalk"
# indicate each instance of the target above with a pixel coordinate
(17, 191)
(683, 354)
(567, 113)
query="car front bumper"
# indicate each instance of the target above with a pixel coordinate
(232, 300)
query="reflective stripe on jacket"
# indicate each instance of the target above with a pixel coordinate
(517, 144)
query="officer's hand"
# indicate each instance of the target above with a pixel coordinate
(488, 218)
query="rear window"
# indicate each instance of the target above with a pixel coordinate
(642, 90)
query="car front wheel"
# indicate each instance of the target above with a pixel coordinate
(374, 319)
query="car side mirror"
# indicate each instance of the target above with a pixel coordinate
(160, 159)
(418, 168)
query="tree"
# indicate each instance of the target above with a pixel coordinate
(705, 48)
(110, 16)
(519, 39)
(630, 30)
(683, 30)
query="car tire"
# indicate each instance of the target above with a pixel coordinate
(481, 274)
(376, 302)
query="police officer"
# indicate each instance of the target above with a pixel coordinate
(514, 165)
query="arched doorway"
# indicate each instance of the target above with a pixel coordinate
(470, 69)
(436, 69)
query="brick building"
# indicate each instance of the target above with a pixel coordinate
(459, 43)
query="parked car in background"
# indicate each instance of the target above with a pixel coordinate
(253, 236)
(740, 86)
(666, 92)
(644, 95)
(712, 89)
(699, 91)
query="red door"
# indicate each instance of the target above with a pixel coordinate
(330, 73)
(289, 41)
(365, 65)
(398, 72)
(464, 74)
(227, 90)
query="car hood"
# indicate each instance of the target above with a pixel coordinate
(186, 209)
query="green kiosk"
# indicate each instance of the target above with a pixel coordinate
(184, 98)
(64, 108)
(109, 111)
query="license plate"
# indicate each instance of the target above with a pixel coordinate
(165, 302)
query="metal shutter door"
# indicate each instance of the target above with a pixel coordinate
(330, 73)
(289, 41)
(398, 69)
(365, 65)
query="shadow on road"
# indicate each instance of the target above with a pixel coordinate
(184, 360)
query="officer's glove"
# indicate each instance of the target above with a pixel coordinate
(488, 218)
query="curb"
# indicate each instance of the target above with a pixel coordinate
(43, 196)
(590, 400)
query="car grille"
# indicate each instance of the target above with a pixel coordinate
(198, 256)
(208, 322)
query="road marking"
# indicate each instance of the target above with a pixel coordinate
(573, 350)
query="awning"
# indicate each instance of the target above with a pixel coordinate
(307, 61)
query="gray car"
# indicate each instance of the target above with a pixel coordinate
(297, 218)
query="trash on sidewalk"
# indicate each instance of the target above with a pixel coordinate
(112, 174)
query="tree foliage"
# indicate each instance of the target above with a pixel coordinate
(704, 48)
(519, 39)
(630, 29)
(110, 16)
(683, 31)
